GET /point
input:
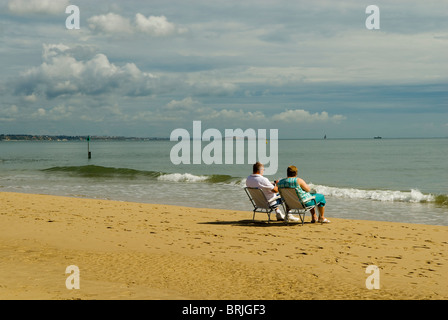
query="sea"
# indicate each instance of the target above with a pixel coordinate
(396, 180)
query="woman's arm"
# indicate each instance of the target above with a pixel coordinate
(303, 185)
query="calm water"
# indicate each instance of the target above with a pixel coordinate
(389, 179)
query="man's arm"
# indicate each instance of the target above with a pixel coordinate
(275, 189)
(268, 185)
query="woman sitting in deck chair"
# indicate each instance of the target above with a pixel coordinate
(292, 181)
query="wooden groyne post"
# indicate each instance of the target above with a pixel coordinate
(89, 154)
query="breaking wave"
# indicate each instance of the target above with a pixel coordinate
(413, 195)
(92, 171)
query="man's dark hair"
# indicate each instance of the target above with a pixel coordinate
(257, 167)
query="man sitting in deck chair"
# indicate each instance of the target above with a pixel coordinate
(292, 181)
(270, 190)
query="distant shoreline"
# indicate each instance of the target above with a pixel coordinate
(64, 138)
(28, 137)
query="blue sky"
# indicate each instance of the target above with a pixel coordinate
(145, 68)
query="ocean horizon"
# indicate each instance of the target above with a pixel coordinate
(6, 137)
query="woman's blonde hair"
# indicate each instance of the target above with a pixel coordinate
(292, 171)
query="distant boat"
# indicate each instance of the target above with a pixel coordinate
(377, 137)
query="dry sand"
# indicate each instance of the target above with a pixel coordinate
(145, 251)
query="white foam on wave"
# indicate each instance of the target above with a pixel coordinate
(412, 196)
(182, 177)
(379, 195)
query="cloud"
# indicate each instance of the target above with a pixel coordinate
(235, 115)
(187, 104)
(8, 114)
(52, 50)
(78, 71)
(156, 26)
(14, 109)
(63, 74)
(38, 6)
(30, 98)
(212, 87)
(191, 109)
(303, 116)
(61, 112)
(39, 113)
(111, 23)
(194, 109)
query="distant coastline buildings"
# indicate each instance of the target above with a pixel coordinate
(28, 137)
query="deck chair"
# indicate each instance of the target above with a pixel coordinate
(292, 200)
(259, 201)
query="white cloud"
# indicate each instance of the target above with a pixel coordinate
(212, 87)
(188, 108)
(41, 112)
(193, 109)
(300, 115)
(156, 26)
(63, 74)
(51, 50)
(69, 72)
(186, 104)
(38, 6)
(30, 98)
(111, 23)
(60, 112)
(236, 115)
(13, 109)
(6, 113)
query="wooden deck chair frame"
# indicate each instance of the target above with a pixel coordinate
(292, 200)
(259, 201)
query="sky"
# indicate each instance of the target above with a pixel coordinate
(146, 68)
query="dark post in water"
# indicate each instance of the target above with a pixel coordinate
(89, 154)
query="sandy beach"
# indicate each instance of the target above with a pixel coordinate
(147, 251)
